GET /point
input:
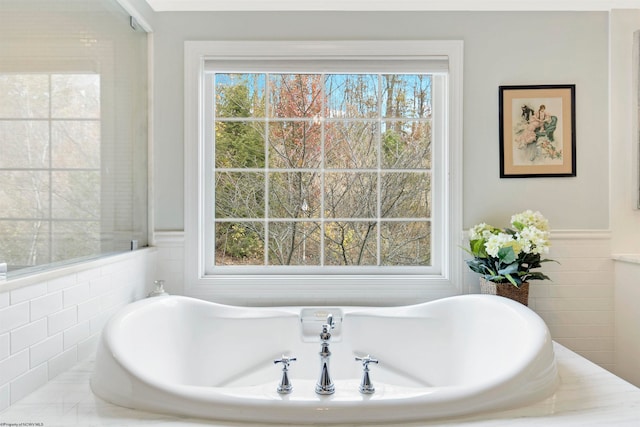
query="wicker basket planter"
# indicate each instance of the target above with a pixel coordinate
(506, 290)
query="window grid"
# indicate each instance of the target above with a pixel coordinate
(49, 218)
(322, 170)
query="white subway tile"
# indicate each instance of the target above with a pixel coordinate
(28, 335)
(45, 350)
(28, 293)
(101, 285)
(62, 320)
(76, 334)
(4, 299)
(76, 294)
(14, 366)
(98, 322)
(61, 283)
(28, 382)
(577, 317)
(91, 274)
(14, 316)
(89, 309)
(562, 332)
(62, 362)
(4, 397)
(45, 305)
(4, 346)
(87, 348)
(581, 291)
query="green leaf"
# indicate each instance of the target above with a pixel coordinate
(506, 255)
(518, 225)
(509, 269)
(477, 248)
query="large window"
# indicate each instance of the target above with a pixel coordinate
(322, 169)
(333, 167)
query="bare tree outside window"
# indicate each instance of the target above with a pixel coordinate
(322, 169)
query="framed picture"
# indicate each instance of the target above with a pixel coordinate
(537, 131)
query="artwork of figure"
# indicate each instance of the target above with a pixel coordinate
(534, 132)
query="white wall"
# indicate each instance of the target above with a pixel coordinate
(55, 320)
(500, 49)
(625, 217)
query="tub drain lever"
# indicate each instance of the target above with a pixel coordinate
(366, 386)
(285, 386)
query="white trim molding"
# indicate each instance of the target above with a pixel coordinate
(391, 5)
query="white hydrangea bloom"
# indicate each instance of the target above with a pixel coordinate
(501, 240)
(529, 218)
(481, 231)
(533, 240)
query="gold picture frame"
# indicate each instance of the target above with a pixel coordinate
(537, 131)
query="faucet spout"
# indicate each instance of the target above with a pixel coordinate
(325, 385)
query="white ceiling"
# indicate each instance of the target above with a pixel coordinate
(389, 5)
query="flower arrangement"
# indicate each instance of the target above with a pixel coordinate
(508, 255)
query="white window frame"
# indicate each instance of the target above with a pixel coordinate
(377, 286)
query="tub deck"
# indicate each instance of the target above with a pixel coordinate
(587, 396)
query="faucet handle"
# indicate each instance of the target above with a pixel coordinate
(286, 361)
(366, 360)
(285, 386)
(366, 386)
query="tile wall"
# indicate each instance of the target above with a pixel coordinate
(49, 325)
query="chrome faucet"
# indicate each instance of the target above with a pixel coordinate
(325, 384)
(366, 386)
(285, 386)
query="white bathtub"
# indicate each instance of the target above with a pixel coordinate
(455, 356)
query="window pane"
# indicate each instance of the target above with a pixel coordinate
(239, 195)
(75, 96)
(294, 243)
(76, 194)
(296, 95)
(350, 243)
(239, 243)
(24, 243)
(295, 144)
(351, 145)
(76, 144)
(352, 95)
(24, 96)
(336, 169)
(240, 95)
(239, 144)
(406, 95)
(294, 195)
(405, 243)
(406, 145)
(24, 194)
(74, 239)
(351, 195)
(24, 144)
(406, 195)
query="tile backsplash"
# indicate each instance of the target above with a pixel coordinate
(49, 325)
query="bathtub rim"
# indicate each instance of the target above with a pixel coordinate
(444, 395)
